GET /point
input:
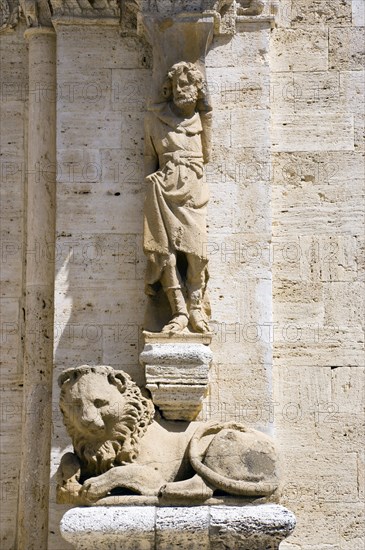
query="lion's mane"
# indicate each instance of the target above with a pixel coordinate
(131, 421)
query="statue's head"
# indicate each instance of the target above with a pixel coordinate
(185, 84)
(105, 414)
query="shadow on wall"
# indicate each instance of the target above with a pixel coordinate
(99, 289)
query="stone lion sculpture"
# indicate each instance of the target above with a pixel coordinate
(119, 446)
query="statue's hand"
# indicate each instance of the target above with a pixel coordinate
(206, 157)
(155, 177)
(197, 167)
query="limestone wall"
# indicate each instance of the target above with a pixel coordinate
(318, 269)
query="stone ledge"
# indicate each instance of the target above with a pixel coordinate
(91, 20)
(197, 527)
(185, 337)
(254, 23)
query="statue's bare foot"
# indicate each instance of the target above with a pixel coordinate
(177, 323)
(198, 322)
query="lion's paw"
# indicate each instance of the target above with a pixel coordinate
(94, 488)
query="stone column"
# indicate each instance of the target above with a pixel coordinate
(39, 291)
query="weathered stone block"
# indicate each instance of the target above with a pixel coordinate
(358, 13)
(233, 394)
(342, 304)
(78, 90)
(328, 258)
(346, 51)
(12, 118)
(303, 92)
(320, 12)
(359, 131)
(83, 43)
(130, 89)
(229, 51)
(313, 132)
(122, 206)
(239, 87)
(78, 129)
(299, 50)
(246, 528)
(352, 84)
(313, 345)
(100, 528)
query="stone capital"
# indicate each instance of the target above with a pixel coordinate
(32, 32)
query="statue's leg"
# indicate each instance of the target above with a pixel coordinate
(171, 284)
(196, 283)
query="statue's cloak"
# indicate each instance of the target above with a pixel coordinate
(176, 199)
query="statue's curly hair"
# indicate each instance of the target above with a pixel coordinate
(194, 75)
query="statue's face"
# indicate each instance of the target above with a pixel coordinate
(184, 92)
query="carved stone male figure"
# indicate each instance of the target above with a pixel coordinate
(177, 144)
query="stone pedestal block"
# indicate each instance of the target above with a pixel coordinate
(258, 527)
(177, 373)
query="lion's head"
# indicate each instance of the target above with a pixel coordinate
(105, 414)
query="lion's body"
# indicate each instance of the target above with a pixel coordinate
(118, 445)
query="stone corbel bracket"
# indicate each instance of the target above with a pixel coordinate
(221, 12)
(183, 37)
(177, 373)
(228, 16)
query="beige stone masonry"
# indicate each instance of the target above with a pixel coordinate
(308, 72)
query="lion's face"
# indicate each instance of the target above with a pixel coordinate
(94, 406)
(105, 415)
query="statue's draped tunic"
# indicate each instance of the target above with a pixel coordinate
(175, 202)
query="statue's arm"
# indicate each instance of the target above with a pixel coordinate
(150, 154)
(206, 119)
